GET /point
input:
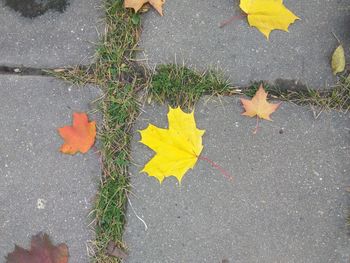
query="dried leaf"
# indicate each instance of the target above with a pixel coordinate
(177, 148)
(113, 250)
(41, 251)
(268, 15)
(137, 4)
(80, 136)
(259, 106)
(338, 60)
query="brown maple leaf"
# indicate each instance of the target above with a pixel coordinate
(137, 4)
(78, 137)
(258, 106)
(41, 251)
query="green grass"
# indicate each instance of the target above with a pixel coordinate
(181, 86)
(119, 111)
(116, 75)
(121, 80)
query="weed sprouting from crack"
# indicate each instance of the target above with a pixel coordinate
(181, 86)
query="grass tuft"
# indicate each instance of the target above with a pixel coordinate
(181, 86)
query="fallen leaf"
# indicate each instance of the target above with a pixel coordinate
(268, 15)
(137, 4)
(113, 250)
(177, 148)
(80, 136)
(338, 60)
(258, 105)
(41, 251)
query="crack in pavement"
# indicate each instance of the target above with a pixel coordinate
(31, 71)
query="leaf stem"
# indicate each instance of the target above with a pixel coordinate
(231, 19)
(217, 167)
(335, 36)
(257, 125)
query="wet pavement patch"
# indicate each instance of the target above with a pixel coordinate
(34, 8)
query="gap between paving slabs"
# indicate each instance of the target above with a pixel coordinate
(33, 71)
(122, 80)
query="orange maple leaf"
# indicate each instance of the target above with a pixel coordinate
(258, 106)
(80, 136)
(137, 4)
(41, 251)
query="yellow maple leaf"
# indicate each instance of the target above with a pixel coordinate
(177, 148)
(267, 15)
(137, 4)
(258, 105)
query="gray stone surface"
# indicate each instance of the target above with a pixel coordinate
(287, 202)
(189, 32)
(53, 39)
(42, 189)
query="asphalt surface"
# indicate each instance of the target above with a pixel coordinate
(189, 33)
(53, 39)
(287, 202)
(42, 189)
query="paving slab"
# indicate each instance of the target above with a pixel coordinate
(189, 32)
(287, 202)
(42, 189)
(62, 36)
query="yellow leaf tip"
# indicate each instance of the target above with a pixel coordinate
(160, 182)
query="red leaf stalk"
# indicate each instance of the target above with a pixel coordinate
(231, 19)
(217, 167)
(257, 125)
